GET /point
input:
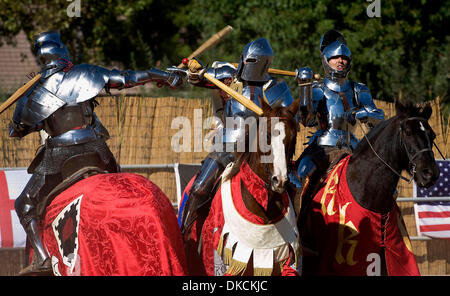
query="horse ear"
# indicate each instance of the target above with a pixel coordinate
(293, 108)
(400, 108)
(426, 111)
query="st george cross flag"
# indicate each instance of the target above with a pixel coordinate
(433, 218)
(12, 183)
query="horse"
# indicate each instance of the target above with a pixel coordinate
(250, 228)
(113, 224)
(353, 225)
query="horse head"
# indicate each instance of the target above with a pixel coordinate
(278, 127)
(282, 138)
(416, 139)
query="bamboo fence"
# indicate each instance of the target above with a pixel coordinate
(141, 133)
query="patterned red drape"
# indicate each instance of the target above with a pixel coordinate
(126, 226)
(346, 235)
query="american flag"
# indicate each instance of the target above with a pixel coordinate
(433, 218)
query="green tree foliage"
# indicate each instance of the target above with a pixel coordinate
(405, 52)
(132, 33)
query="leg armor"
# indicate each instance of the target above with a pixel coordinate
(305, 169)
(201, 190)
(25, 206)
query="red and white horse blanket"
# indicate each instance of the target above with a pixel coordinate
(348, 237)
(233, 238)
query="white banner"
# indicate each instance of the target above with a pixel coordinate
(12, 183)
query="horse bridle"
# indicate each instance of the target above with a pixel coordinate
(412, 165)
(266, 166)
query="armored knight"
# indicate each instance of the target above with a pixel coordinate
(332, 105)
(251, 79)
(62, 103)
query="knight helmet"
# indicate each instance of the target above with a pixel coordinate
(255, 61)
(333, 44)
(52, 55)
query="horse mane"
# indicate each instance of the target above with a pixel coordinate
(406, 110)
(375, 131)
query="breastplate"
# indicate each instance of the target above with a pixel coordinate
(69, 118)
(337, 131)
(234, 108)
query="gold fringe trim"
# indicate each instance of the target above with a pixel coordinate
(228, 256)
(297, 255)
(262, 271)
(236, 267)
(220, 246)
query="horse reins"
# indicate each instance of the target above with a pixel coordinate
(411, 163)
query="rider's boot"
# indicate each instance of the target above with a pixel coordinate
(41, 263)
(25, 206)
(200, 193)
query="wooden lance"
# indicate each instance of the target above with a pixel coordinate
(208, 44)
(19, 93)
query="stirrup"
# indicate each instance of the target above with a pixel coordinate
(35, 269)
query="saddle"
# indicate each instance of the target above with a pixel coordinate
(75, 168)
(326, 160)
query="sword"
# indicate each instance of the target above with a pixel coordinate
(19, 93)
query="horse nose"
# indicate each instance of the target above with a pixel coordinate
(432, 172)
(278, 182)
(436, 172)
(430, 175)
(274, 181)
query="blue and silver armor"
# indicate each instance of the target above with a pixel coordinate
(332, 105)
(62, 103)
(250, 79)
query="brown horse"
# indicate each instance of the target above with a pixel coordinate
(353, 223)
(251, 228)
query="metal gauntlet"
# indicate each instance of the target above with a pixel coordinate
(304, 77)
(124, 79)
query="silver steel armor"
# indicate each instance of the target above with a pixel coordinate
(255, 61)
(332, 106)
(335, 108)
(251, 79)
(49, 52)
(333, 44)
(62, 103)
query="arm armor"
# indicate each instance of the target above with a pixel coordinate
(306, 112)
(18, 129)
(317, 97)
(367, 112)
(125, 79)
(219, 70)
